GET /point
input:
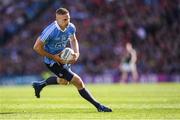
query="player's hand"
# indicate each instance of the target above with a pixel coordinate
(58, 59)
(75, 58)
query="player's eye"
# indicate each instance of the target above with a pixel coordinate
(66, 19)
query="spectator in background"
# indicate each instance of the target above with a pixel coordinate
(151, 25)
(128, 64)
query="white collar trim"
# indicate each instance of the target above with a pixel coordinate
(58, 27)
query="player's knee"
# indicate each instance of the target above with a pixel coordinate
(65, 82)
(62, 81)
(77, 82)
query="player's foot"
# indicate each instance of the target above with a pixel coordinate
(37, 88)
(103, 108)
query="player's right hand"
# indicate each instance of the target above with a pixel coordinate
(58, 59)
(75, 57)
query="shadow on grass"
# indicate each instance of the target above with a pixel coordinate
(53, 112)
(4, 113)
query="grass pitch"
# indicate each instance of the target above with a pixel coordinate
(132, 101)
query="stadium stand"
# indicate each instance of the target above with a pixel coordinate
(103, 27)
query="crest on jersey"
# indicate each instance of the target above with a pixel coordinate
(63, 37)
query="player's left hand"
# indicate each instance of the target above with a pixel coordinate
(75, 58)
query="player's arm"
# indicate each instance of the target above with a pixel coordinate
(75, 46)
(39, 48)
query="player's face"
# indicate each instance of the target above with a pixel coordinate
(63, 20)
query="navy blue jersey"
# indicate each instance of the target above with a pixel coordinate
(55, 39)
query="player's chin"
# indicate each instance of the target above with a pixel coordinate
(66, 25)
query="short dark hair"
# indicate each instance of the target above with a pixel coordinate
(62, 11)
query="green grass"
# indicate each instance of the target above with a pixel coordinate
(132, 101)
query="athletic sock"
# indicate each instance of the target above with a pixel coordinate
(51, 81)
(42, 83)
(86, 95)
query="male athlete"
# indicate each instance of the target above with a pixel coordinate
(129, 64)
(49, 44)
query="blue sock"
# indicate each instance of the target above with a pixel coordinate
(86, 95)
(51, 81)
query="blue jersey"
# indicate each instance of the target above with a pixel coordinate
(55, 39)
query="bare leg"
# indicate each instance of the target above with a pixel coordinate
(124, 77)
(135, 76)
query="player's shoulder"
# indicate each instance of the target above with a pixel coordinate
(47, 31)
(71, 28)
(71, 25)
(50, 27)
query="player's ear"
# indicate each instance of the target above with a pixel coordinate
(57, 17)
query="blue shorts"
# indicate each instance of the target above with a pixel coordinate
(61, 70)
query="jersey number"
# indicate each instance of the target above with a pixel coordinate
(61, 44)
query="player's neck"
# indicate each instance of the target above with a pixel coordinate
(62, 28)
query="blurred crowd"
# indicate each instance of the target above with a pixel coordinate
(103, 28)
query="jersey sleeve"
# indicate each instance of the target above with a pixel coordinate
(72, 30)
(46, 33)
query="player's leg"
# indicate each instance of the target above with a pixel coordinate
(64, 72)
(53, 80)
(135, 76)
(39, 85)
(134, 73)
(62, 81)
(78, 83)
(124, 68)
(124, 77)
